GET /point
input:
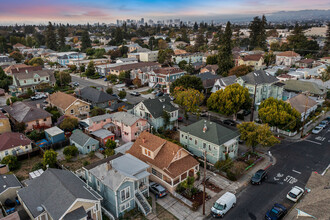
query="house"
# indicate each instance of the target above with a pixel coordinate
(132, 47)
(265, 85)
(9, 184)
(122, 180)
(54, 135)
(287, 58)
(153, 110)
(210, 68)
(169, 163)
(5, 60)
(254, 60)
(124, 125)
(19, 46)
(33, 117)
(163, 77)
(103, 135)
(305, 63)
(223, 82)
(83, 142)
(325, 60)
(127, 60)
(12, 143)
(60, 194)
(30, 79)
(208, 79)
(79, 62)
(217, 140)
(150, 56)
(63, 58)
(4, 124)
(133, 66)
(97, 98)
(69, 105)
(293, 87)
(303, 104)
(188, 57)
(104, 69)
(20, 68)
(315, 202)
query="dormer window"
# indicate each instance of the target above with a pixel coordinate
(147, 152)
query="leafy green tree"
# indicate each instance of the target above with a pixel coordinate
(269, 58)
(69, 124)
(36, 136)
(258, 32)
(62, 78)
(61, 37)
(111, 144)
(36, 61)
(73, 68)
(122, 94)
(85, 41)
(200, 41)
(278, 113)
(230, 100)
(17, 56)
(55, 113)
(195, 26)
(189, 99)
(50, 36)
(90, 71)
(112, 78)
(5, 81)
(167, 119)
(182, 64)
(109, 91)
(187, 82)
(241, 70)
(255, 135)
(212, 60)
(11, 161)
(82, 68)
(325, 49)
(225, 57)
(70, 150)
(50, 158)
(109, 152)
(165, 56)
(97, 111)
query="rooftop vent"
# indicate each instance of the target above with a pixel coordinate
(204, 128)
(40, 209)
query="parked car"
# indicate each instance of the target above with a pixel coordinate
(259, 176)
(223, 204)
(317, 130)
(323, 123)
(180, 119)
(135, 93)
(75, 84)
(157, 189)
(159, 94)
(229, 122)
(278, 211)
(295, 193)
(105, 79)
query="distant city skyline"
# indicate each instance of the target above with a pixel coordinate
(107, 11)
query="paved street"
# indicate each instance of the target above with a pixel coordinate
(294, 163)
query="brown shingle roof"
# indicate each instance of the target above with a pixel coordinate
(20, 68)
(163, 159)
(61, 100)
(168, 70)
(299, 102)
(10, 140)
(134, 66)
(252, 57)
(288, 54)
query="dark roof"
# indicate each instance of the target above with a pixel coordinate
(208, 79)
(259, 77)
(94, 95)
(80, 137)
(253, 57)
(99, 162)
(23, 112)
(228, 80)
(156, 106)
(8, 181)
(215, 133)
(55, 190)
(11, 140)
(76, 214)
(135, 66)
(302, 86)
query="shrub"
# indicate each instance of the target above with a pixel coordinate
(85, 163)
(37, 166)
(70, 150)
(11, 161)
(231, 176)
(68, 158)
(91, 154)
(224, 165)
(195, 205)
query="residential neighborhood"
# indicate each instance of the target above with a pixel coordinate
(164, 118)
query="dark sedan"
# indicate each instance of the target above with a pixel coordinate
(277, 212)
(258, 177)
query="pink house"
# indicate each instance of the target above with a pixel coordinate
(124, 125)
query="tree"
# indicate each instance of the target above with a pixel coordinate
(212, 60)
(254, 135)
(162, 44)
(11, 161)
(68, 124)
(17, 56)
(90, 71)
(20, 127)
(109, 152)
(122, 94)
(326, 47)
(97, 111)
(189, 99)
(167, 118)
(36, 136)
(182, 64)
(85, 41)
(50, 36)
(61, 37)
(165, 56)
(73, 68)
(112, 78)
(278, 113)
(230, 100)
(195, 26)
(187, 82)
(124, 75)
(258, 33)
(5, 81)
(225, 57)
(241, 70)
(50, 158)
(137, 82)
(325, 75)
(200, 40)
(269, 58)
(62, 78)
(36, 61)
(109, 91)
(111, 144)
(70, 150)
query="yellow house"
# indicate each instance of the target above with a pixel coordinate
(254, 60)
(69, 105)
(4, 124)
(12, 143)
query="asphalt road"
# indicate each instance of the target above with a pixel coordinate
(294, 163)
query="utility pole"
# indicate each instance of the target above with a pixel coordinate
(204, 182)
(254, 100)
(304, 121)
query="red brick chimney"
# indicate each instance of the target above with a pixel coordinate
(143, 140)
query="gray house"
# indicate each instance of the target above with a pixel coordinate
(152, 110)
(211, 137)
(83, 142)
(96, 97)
(123, 182)
(9, 184)
(60, 194)
(267, 86)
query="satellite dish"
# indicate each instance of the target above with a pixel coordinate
(40, 209)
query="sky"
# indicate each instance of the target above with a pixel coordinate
(83, 11)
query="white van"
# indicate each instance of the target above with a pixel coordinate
(223, 204)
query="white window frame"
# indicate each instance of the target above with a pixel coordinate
(89, 177)
(98, 185)
(126, 190)
(125, 206)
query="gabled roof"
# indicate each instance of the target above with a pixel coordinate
(252, 57)
(8, 181)
(215, 133)
(299, 102)
(55, 190)
(208, 79)
(303, 86)
(124, 117)
(135, 66)
(259, 77)
(156, 106)
(163, 159)
(94, 95)
(23, 112)
(81, 138)
(168, 70)
(17, 68)
(53, 131)
(63, 100)
(30, 73)
(11, 140)
(226, 81)
(288, 54)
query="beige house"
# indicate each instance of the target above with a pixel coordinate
(254, 60)
(69, 105)
(287, 58)
(303, 104)
(4, 124)
(14, 144)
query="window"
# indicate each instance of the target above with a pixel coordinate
(204, 145)
(46, 78)
(97, 207)
(26, 147)
(195, 141)
(72, 111)
(137, 124)
(156, 173)
(125, 206)
(45, 119)
(125, 194)
(209, 147)
(35, 80)
(86, 106)
(148, 153)
(6, 152)
(98, 185)
(24, 81)
(186, 137)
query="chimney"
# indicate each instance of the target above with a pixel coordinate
(143, 140)
(109, 166)
(26, 71)
(38, 105)
(204, 128)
